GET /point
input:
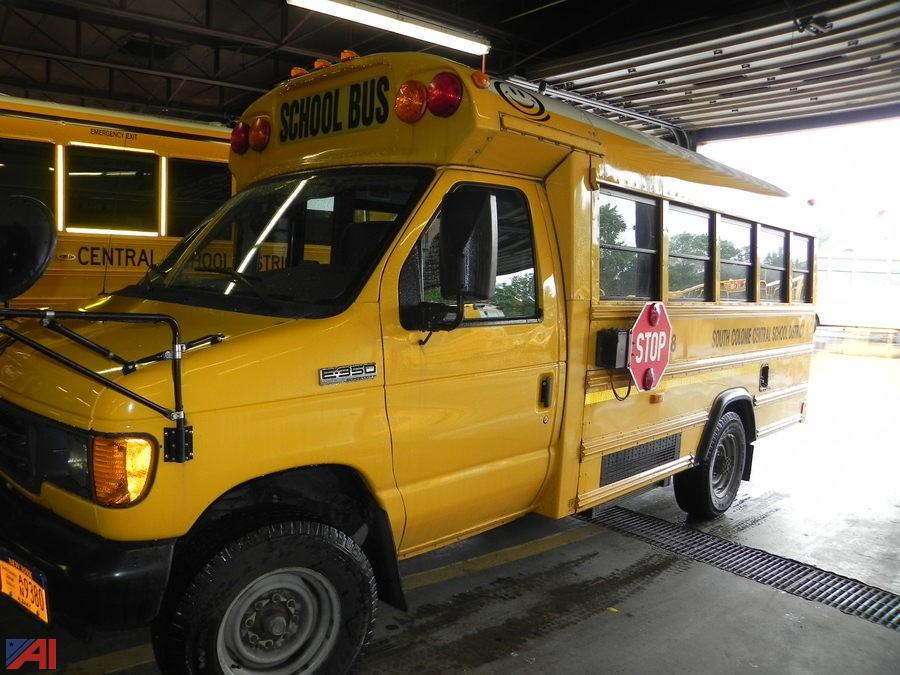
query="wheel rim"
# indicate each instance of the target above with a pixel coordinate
(725, 468)
(285, 621)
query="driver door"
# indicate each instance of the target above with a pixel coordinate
(472, 410)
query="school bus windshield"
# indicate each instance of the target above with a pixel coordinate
(297, 246)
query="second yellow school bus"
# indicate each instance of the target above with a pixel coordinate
(123, 189)
(395, 347)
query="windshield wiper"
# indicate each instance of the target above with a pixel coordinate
(253, 283)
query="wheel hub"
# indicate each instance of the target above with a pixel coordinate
(271, 621)
(282, 622)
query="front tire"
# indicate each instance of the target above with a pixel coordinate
(290, 597)
(706, 491)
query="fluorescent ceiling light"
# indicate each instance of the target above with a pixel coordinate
(395, 22)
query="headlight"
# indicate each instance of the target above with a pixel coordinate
(62, 456)
(122, 467)
(77, 466)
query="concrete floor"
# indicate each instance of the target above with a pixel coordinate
(574, 597)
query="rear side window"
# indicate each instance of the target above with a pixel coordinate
(628, 228)
(515, 296)
(26, 168)
(735, 260)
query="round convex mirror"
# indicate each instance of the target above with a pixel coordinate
(27, 240)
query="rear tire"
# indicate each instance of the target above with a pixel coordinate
(706, 491)
(289, 597)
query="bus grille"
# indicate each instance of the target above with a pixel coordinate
(18, 451)
(632, 461)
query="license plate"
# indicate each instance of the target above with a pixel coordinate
(26, 587)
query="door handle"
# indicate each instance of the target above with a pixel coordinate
(546, 390)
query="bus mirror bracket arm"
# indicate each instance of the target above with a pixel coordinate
(178, 440)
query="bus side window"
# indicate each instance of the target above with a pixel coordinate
(195, 190)
(736, 261)
(628, 228)
(27, 168)
(690, 264)
(515, 292)
(801, 291)
(112, 189)
(772, 265)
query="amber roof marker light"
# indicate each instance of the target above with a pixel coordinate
(393, 21)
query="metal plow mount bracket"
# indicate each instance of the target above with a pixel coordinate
(178, 440)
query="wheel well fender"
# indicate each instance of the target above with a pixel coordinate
(333, 494)
(736, 400)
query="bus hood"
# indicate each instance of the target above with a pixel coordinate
(36, 382)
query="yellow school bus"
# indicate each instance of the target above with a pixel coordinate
(123, 189)
(411, 324)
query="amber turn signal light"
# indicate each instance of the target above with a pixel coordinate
(410, 102)
(348, 55)
(318, 64)
(297, 71)
(122, 467)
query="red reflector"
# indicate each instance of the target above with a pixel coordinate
(240, 138)
(444, 94)
(259, 133)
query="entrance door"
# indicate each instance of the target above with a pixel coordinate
(472, 410)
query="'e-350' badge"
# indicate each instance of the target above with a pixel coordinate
(341, 374)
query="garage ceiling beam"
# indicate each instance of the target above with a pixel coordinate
(634, 50)
(742, 59)
(140, 22)
(130, 69)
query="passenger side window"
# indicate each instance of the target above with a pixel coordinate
(27, 168)
(515, 294)
(772, 265)
(736, 262)
(628, 227)
(111, 189)
(689, 254)
(800, 287)
(195, 190)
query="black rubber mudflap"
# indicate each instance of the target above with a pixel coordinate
(797, 578)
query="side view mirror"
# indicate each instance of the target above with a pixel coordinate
(27, 241)
(468, 245)
(468, 259)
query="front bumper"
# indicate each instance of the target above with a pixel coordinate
(91, 580)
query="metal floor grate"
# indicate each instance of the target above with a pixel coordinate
(797, 578)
